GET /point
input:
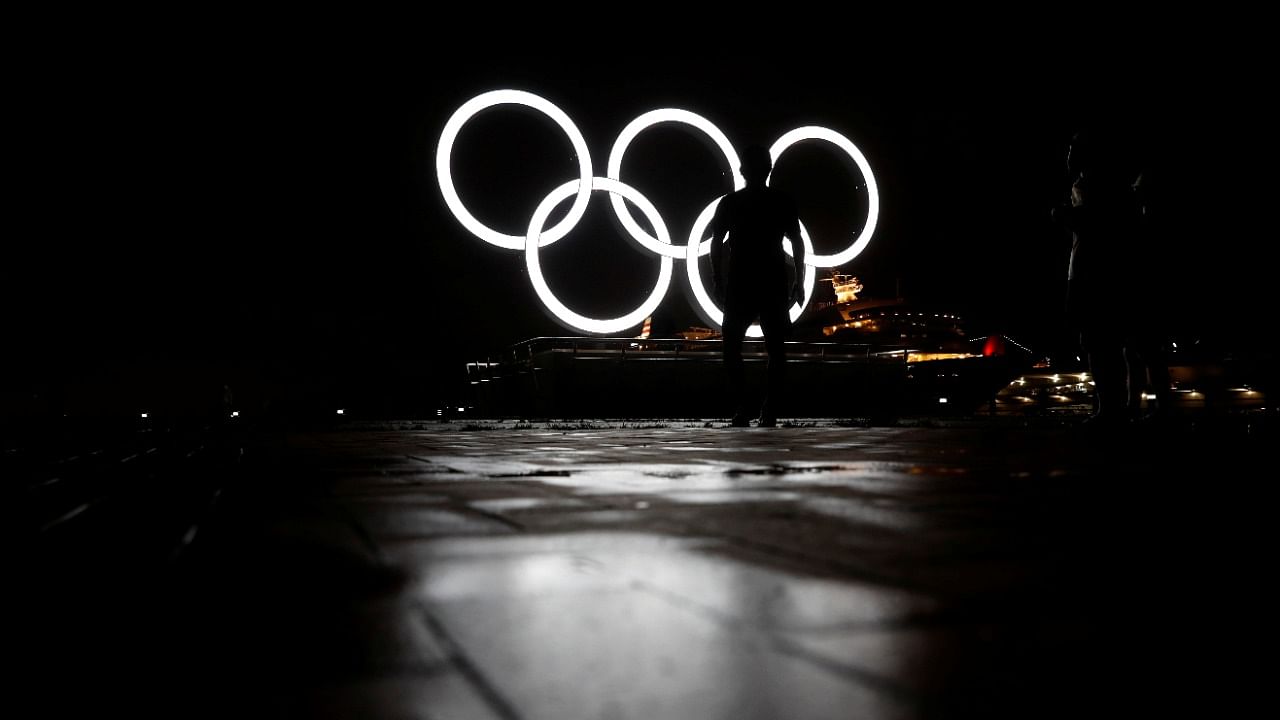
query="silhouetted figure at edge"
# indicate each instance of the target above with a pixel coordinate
(755, 280)
(1146, 343)
(1110, 301)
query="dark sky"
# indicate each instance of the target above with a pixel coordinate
(269, 213)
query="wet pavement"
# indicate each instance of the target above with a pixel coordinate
(963, 568)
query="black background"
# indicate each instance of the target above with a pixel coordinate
(260, 210)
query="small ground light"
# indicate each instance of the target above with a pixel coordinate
(341, 411)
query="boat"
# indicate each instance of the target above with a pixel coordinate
(848, 357)
(951, 368)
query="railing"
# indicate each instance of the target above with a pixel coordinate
(660, 377)
(522, 354)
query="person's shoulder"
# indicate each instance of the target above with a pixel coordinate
(782, 197)
(725, 207)
(734, 198)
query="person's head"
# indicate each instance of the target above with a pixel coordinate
(1087, 151)
(756, 164)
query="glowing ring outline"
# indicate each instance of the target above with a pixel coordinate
(707, 307)
(444, 150)
(813, 132)
(630, 132)
(549, 299)
(667, 252)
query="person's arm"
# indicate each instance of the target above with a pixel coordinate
(797, 253)
(718, 231)
(1068, 215)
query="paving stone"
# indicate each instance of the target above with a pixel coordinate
(603, 570)
(639, 656)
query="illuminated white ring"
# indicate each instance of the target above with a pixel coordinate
(710, 311)
(667, 252)
(873, 194)
(552, 303)
(511, 97)
(629, 133)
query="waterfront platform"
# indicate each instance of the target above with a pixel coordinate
(573, 377)
(927, 568)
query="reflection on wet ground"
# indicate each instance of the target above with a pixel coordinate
(690, 570)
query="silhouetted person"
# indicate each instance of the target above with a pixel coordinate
(755, 280)
(1105, 292)
(1146, 342)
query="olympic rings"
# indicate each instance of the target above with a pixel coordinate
(557, 308)
(629, 133)
(582, 187)
(873, 193)
(514, 97)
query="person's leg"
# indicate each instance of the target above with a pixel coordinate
(776, 326)
(1148, 354)
(733, 330)
(1157, 362)
(1136, 380)
(1105, 352)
